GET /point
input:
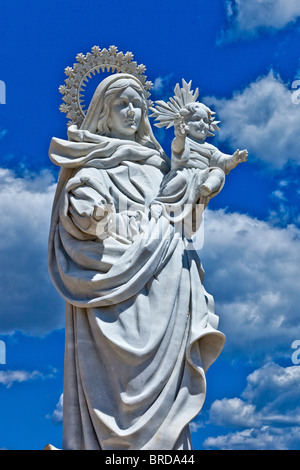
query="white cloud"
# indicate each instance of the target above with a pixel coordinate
(263, 119)
(266, 438)
(29, 302)
(158, 84)
(273, 389)
(9, 377)
(252, 270)
(161, 83)
(271, 397)
(57, 415)
(267, 416)
(195, 426)
(232, 412)
(284, 208)
(248, 17)
(279, 195)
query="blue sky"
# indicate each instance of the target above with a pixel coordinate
(243, 55)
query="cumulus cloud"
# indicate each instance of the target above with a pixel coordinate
(252, 270)
(28, 302)
(249, 17)
(271, 397)
(268, 414)
(274, 390)
(262, 118)
(232, 412)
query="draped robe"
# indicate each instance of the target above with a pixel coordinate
(140, 328)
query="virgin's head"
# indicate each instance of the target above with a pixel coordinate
(119, 109)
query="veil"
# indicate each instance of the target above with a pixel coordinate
(96, 105)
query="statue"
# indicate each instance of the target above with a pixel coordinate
(141, 330)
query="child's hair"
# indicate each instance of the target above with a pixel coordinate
(189, 109)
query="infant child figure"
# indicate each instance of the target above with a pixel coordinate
(190, 152)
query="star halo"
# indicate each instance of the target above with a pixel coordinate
(97, 61)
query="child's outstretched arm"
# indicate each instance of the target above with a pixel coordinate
(225, 161)
(232, 161)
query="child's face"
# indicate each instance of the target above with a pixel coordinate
(199, 124)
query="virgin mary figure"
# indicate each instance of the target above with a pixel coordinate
(140, 328)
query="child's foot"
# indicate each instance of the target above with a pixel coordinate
(205, 190)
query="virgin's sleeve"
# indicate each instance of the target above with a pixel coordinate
(82, 196)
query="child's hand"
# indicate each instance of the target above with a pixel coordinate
(156, 211)
(181, 128)
(102, 209)
(240, 156)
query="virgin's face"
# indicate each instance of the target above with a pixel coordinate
(125, 114)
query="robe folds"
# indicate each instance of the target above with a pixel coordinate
(140, 328)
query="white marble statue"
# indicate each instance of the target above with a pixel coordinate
(141, 330)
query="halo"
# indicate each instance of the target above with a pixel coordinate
(166, 113)
(97, 61)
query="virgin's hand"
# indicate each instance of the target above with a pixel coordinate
(89, 208)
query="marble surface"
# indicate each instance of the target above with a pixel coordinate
(141, 330)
